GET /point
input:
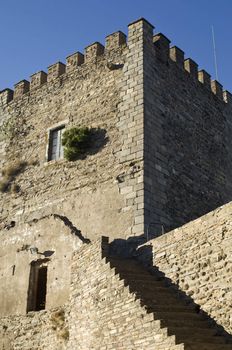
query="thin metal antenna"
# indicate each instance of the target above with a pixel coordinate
(215, 55)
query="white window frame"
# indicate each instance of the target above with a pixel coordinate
(56, 127)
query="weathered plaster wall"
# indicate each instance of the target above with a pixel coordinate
(197, 259)
(56, 240)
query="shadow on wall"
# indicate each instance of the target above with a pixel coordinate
(128, 247)
(73, 228)
(156, 291)
(98, 140)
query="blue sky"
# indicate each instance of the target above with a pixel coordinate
(37, 33)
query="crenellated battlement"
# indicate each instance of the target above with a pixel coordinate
(175, 54)
(21, 88)
(92, 52)
(74, 60)
(6, 96)
(191, 67)
(38, 79)
(113, 42)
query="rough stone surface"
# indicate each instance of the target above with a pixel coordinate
(110, 310)
(36, 330)
(197, 259)
(160, 156)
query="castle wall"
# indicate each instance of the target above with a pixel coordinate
(162, 153)
(197, 259)
(86, 95)
(188, 164)
(160, 156)
(101, 314)
(5, 97)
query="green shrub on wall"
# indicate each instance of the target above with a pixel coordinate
(75, 141)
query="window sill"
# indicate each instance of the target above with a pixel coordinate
(54, 162)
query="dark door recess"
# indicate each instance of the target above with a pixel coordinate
(41, 289)
(37, 287)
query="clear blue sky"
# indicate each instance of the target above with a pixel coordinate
(37, 33)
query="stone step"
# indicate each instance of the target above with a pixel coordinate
(166, 300)
(178, 315)
(152, 288)
(146, 276)
(128, 267)
(214, 340)
(152, 307)
(125, 263)
(192, 331)
(203, 324)
(149, 285)
(158, 293)
(206, 346)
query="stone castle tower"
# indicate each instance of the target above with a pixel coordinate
(160, 157)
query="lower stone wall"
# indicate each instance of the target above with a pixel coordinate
(104, 315)
(197, 257)
(36, 330)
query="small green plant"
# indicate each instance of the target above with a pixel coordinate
(75, 141)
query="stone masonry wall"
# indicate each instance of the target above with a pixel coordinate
(162, 154)
(5, 97)
(197, 259)
(89, 94)
(52, 187)
(131, 123)
(102, 89)
(188, 149)
(103, 313)
(36, 330)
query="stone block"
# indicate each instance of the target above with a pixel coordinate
(55, 70)
(73, 61)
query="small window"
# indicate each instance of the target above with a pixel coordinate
(55, 150)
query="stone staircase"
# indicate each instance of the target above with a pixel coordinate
(192, 330)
